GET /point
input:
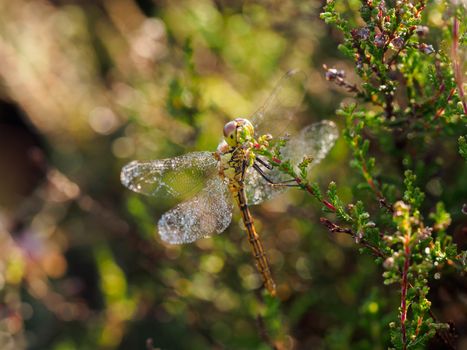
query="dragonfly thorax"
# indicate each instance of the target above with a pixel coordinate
(238, 131)
(235, 151)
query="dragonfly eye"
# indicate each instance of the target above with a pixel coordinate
(229, 129)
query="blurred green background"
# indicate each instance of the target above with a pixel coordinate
(87, 86)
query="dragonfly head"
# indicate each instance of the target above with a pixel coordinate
(238, 131)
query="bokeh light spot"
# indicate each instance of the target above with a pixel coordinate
(123, 147)
(103, 120)
(212, 263)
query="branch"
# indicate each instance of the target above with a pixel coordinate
(456, 66)
(332, 227)
(404, 287)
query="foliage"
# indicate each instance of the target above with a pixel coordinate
(407, 238)
(97, 84)
(463, 147)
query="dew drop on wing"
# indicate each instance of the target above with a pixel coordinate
(258, 189)
(315, 140)
(207, 213)
(182, 175)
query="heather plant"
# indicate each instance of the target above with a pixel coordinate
(408, 95)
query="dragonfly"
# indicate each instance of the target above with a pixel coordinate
(235, 173)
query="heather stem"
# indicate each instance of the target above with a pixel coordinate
(456, 63)
(404, 287)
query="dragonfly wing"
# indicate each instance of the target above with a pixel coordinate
(280, 107)
(258, 189)
(209, 212)
(177, 176)
(315, 140)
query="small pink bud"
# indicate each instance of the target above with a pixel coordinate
(388, 263)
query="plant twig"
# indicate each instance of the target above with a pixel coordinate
(441, 110)
(456, 66)
(404, 287)
(379, 195)
(332, 227)
(310, 190)
(338, 76)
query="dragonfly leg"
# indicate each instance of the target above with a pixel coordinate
(269, 167)
(264, 163)
(280, 184)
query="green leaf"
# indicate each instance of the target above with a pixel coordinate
(412, 195)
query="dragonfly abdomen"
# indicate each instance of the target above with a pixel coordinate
(233, 164)
(255, 243)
